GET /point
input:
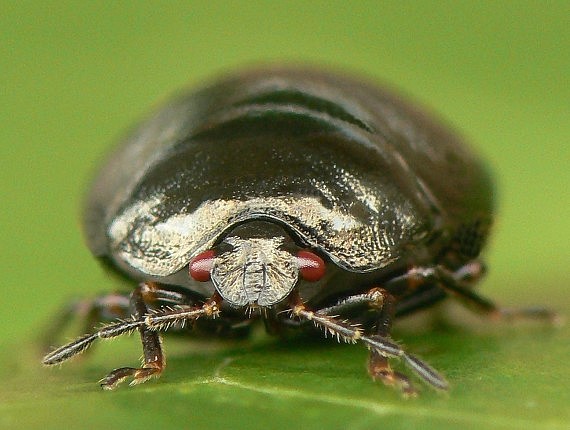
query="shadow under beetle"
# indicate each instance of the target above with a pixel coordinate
(298, 197)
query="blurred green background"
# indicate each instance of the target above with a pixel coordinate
(75, 75)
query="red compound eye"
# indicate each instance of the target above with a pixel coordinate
(201, 265)
(311, 266)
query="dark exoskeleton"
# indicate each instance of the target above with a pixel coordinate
(298, 197)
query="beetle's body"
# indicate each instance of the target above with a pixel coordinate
(242, 174)
(351, 171)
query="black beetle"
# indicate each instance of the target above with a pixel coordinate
(229, 203)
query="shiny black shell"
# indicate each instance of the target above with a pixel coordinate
(367, 179)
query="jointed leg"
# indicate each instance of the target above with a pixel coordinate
(459, 284)
(400, 286)
(90, 312)
(110, 307)
(384, 304)
(438, 280)
(153, 358)
(148, 323)
(381, 345)
(372, 299)
(355, 304)
(378, 365)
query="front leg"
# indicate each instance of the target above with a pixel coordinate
(378, 365)
(149, 323)
(384, 304)
(153, 357)
(378, 344)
